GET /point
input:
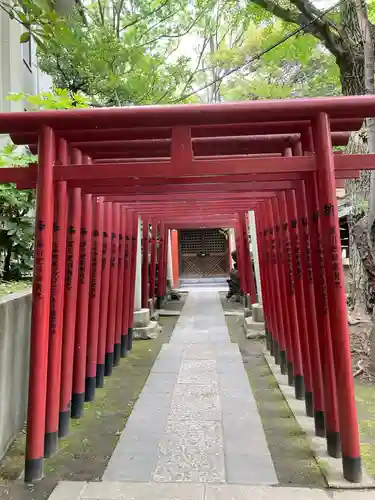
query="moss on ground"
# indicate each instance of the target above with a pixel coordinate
(8, 287)
(84, 454)
(365, 397)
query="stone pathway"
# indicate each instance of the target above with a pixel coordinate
(195, 432)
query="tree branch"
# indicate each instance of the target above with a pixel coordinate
(307, 15)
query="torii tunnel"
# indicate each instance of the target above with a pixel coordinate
(187, 166)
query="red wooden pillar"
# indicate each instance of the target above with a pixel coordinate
(175, 258)
(113, 279)
(321, 298)
(80, 347)
(36, 413)
(57, 307)
(351, 458)
(133, 264)
(271, 249)
(251, 289)
(244, 263)
(283, 241)
(280, 287)
(266, 282)
(240, 259)
(325, 339)
(127, 270)
(94, 298)
(161, 255)
(104, 294)
(145, 262)
(153, 261)
(308, 283)
(120, 288)
(70, 303)
(300, 301)
(165, 269)
(295, 370)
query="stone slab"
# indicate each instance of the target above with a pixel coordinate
(191, 451)
(251, 324)
(165, 312)
(143, 491)
(68, 490)
(250, 468)
(234, 313)
(350, 495)
(330, 467)
(242, 492)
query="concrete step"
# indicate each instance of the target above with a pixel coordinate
(194, 491)
(203, 282)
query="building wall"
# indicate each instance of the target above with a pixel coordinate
(18, 67)
(15, 314)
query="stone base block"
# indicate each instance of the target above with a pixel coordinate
(247, 312)
(155, 316)
(258, 315)
(151, 331)
(235, 298)
(254, 329)
(141, 318)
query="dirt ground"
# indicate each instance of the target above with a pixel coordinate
(83, 455)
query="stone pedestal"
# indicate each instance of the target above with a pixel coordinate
(258, 315)
(144, 327)
(247, 312)
(253, 329)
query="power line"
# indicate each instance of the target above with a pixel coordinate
(263, 52)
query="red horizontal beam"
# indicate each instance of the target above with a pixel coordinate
(229, 129)
(277, 166)
(190, 181)
(201, 189)
(193, 114)
(201, 146)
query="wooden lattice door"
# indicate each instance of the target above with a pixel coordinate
(204, 253)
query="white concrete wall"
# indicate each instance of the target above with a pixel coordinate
(138, 270)
(15, 315)
(16, 74)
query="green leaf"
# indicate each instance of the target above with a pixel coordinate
(25, 37)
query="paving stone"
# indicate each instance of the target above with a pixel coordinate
(197, 389)
(196, 407)
(125, 466)
(166, 366)
(242, 492)
(248, 442)
(250, 469)
(197, 377)
(68, 490)
(144, 491)
(197, 352)
(161, 382)
(191, 451)
(354, 495)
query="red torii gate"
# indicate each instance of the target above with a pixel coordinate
(99, 169)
